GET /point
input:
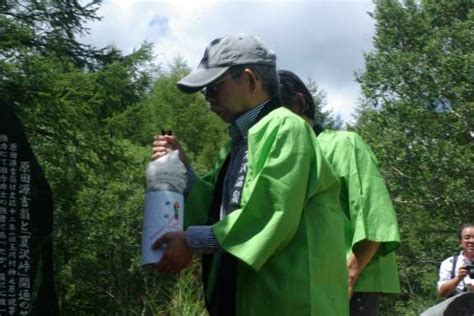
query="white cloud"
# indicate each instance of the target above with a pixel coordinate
(322, 40)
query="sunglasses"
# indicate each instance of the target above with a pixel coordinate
(213, 86)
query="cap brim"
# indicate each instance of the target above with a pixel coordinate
(200, 78)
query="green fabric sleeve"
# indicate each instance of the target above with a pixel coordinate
(274, 193)
(371, 210)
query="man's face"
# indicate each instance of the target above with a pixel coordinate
(227, 97)
(467, 242)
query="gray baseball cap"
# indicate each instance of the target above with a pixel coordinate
(221, 54)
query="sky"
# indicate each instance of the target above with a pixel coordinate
(324, 41)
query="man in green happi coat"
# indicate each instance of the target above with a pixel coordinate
(260, 218)
(371, 229)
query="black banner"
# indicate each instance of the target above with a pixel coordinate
(26, 221)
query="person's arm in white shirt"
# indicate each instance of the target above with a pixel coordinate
(446, 284)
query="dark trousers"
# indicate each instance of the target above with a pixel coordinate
(365, 304)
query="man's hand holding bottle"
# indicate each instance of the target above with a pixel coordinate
(164, 143)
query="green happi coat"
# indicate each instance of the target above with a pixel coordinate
(368, 209)
(288, 233)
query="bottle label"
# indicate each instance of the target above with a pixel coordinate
(163, 212)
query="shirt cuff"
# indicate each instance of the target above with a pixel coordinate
(201, 240)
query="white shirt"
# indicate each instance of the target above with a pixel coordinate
(446, 268)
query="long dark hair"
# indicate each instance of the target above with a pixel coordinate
(290, 85)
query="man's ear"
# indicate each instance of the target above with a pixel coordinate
(252, 79)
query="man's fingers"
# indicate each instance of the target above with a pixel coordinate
(160, 242)
(159, 266)
(165, 266)
(159, 145)
(162, 145)
(159, 152)
(173, 143)
(168, 140)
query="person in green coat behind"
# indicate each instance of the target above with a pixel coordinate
(256, 216)
(371, 229)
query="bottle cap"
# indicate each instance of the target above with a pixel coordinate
(166, 131)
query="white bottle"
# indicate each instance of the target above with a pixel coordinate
(164, 203)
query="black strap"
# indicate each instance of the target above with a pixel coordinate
(453, 269)
(453, 274)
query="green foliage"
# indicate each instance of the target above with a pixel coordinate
(90, 116)
(47, 28)
(324, 118)
(418, 118)
(423, 52)
(181, 295)
(201, 132)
